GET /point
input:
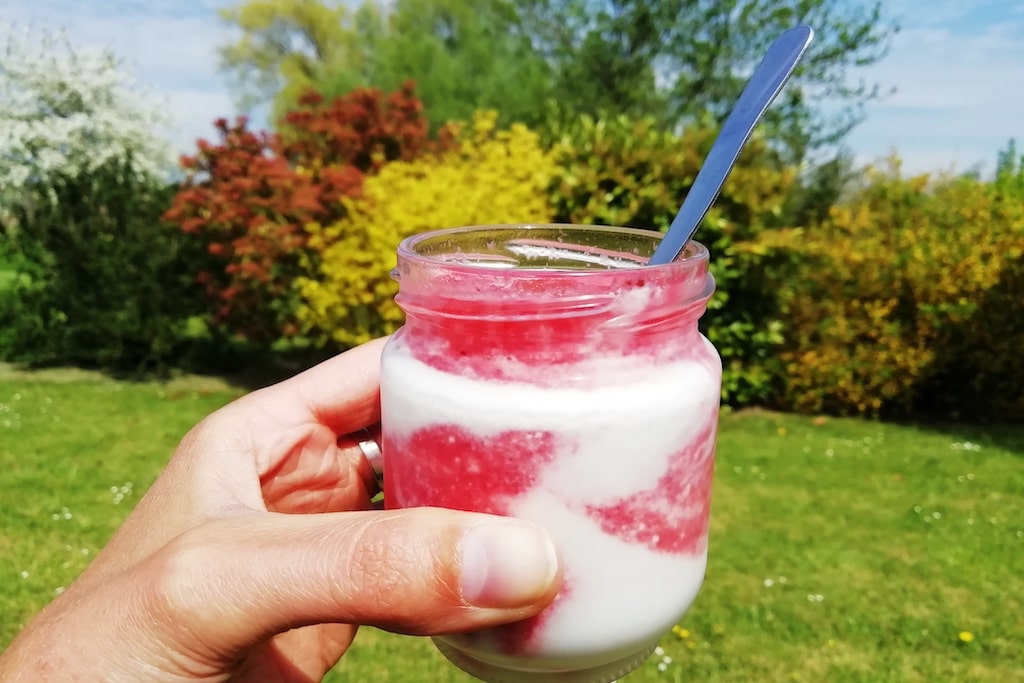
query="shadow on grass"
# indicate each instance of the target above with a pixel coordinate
(977, 376)
(1008, 436)
(205, 369)
(253, 368)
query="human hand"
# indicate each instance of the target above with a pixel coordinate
(257, 552)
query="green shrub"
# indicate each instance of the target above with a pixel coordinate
(635, 173)
(99, 280)
(906, 300)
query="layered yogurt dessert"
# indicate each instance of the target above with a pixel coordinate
(545, 373)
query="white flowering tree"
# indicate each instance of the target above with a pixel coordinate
(68, 111)
(100, 279)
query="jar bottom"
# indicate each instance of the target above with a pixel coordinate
(606, 673)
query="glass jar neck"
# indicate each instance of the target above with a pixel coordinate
(469, 303)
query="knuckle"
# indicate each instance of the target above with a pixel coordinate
(177, 580)
(373, 573)
(398, 569)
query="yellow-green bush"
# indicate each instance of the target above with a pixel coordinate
(907, 299)
(491, 176)
(621, 171)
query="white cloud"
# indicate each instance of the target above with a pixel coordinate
(946, 12)
(958, 96)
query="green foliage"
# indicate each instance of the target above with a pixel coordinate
(818, 188)
(282, 46)
(490, 176)
(101, 281)
(628, 172)
(1009, 177)
(671, 60)
(906, 300)
(464, 56)
(677, 60)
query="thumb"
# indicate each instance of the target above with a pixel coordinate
(424, 571)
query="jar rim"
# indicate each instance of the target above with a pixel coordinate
(410, 250)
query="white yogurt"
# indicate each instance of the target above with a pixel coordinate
(619, 438)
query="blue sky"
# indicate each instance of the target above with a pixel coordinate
(956, 67)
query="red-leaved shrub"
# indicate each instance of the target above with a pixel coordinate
(249, 197)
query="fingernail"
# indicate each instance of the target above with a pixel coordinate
(507, 564)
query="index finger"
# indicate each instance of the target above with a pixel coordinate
(342, 393)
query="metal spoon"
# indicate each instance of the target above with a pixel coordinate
(762, 88)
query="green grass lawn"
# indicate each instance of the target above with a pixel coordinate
(841, 550)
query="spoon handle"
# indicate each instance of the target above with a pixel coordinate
(762, 88)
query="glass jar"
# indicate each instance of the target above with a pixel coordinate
(545, 372)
